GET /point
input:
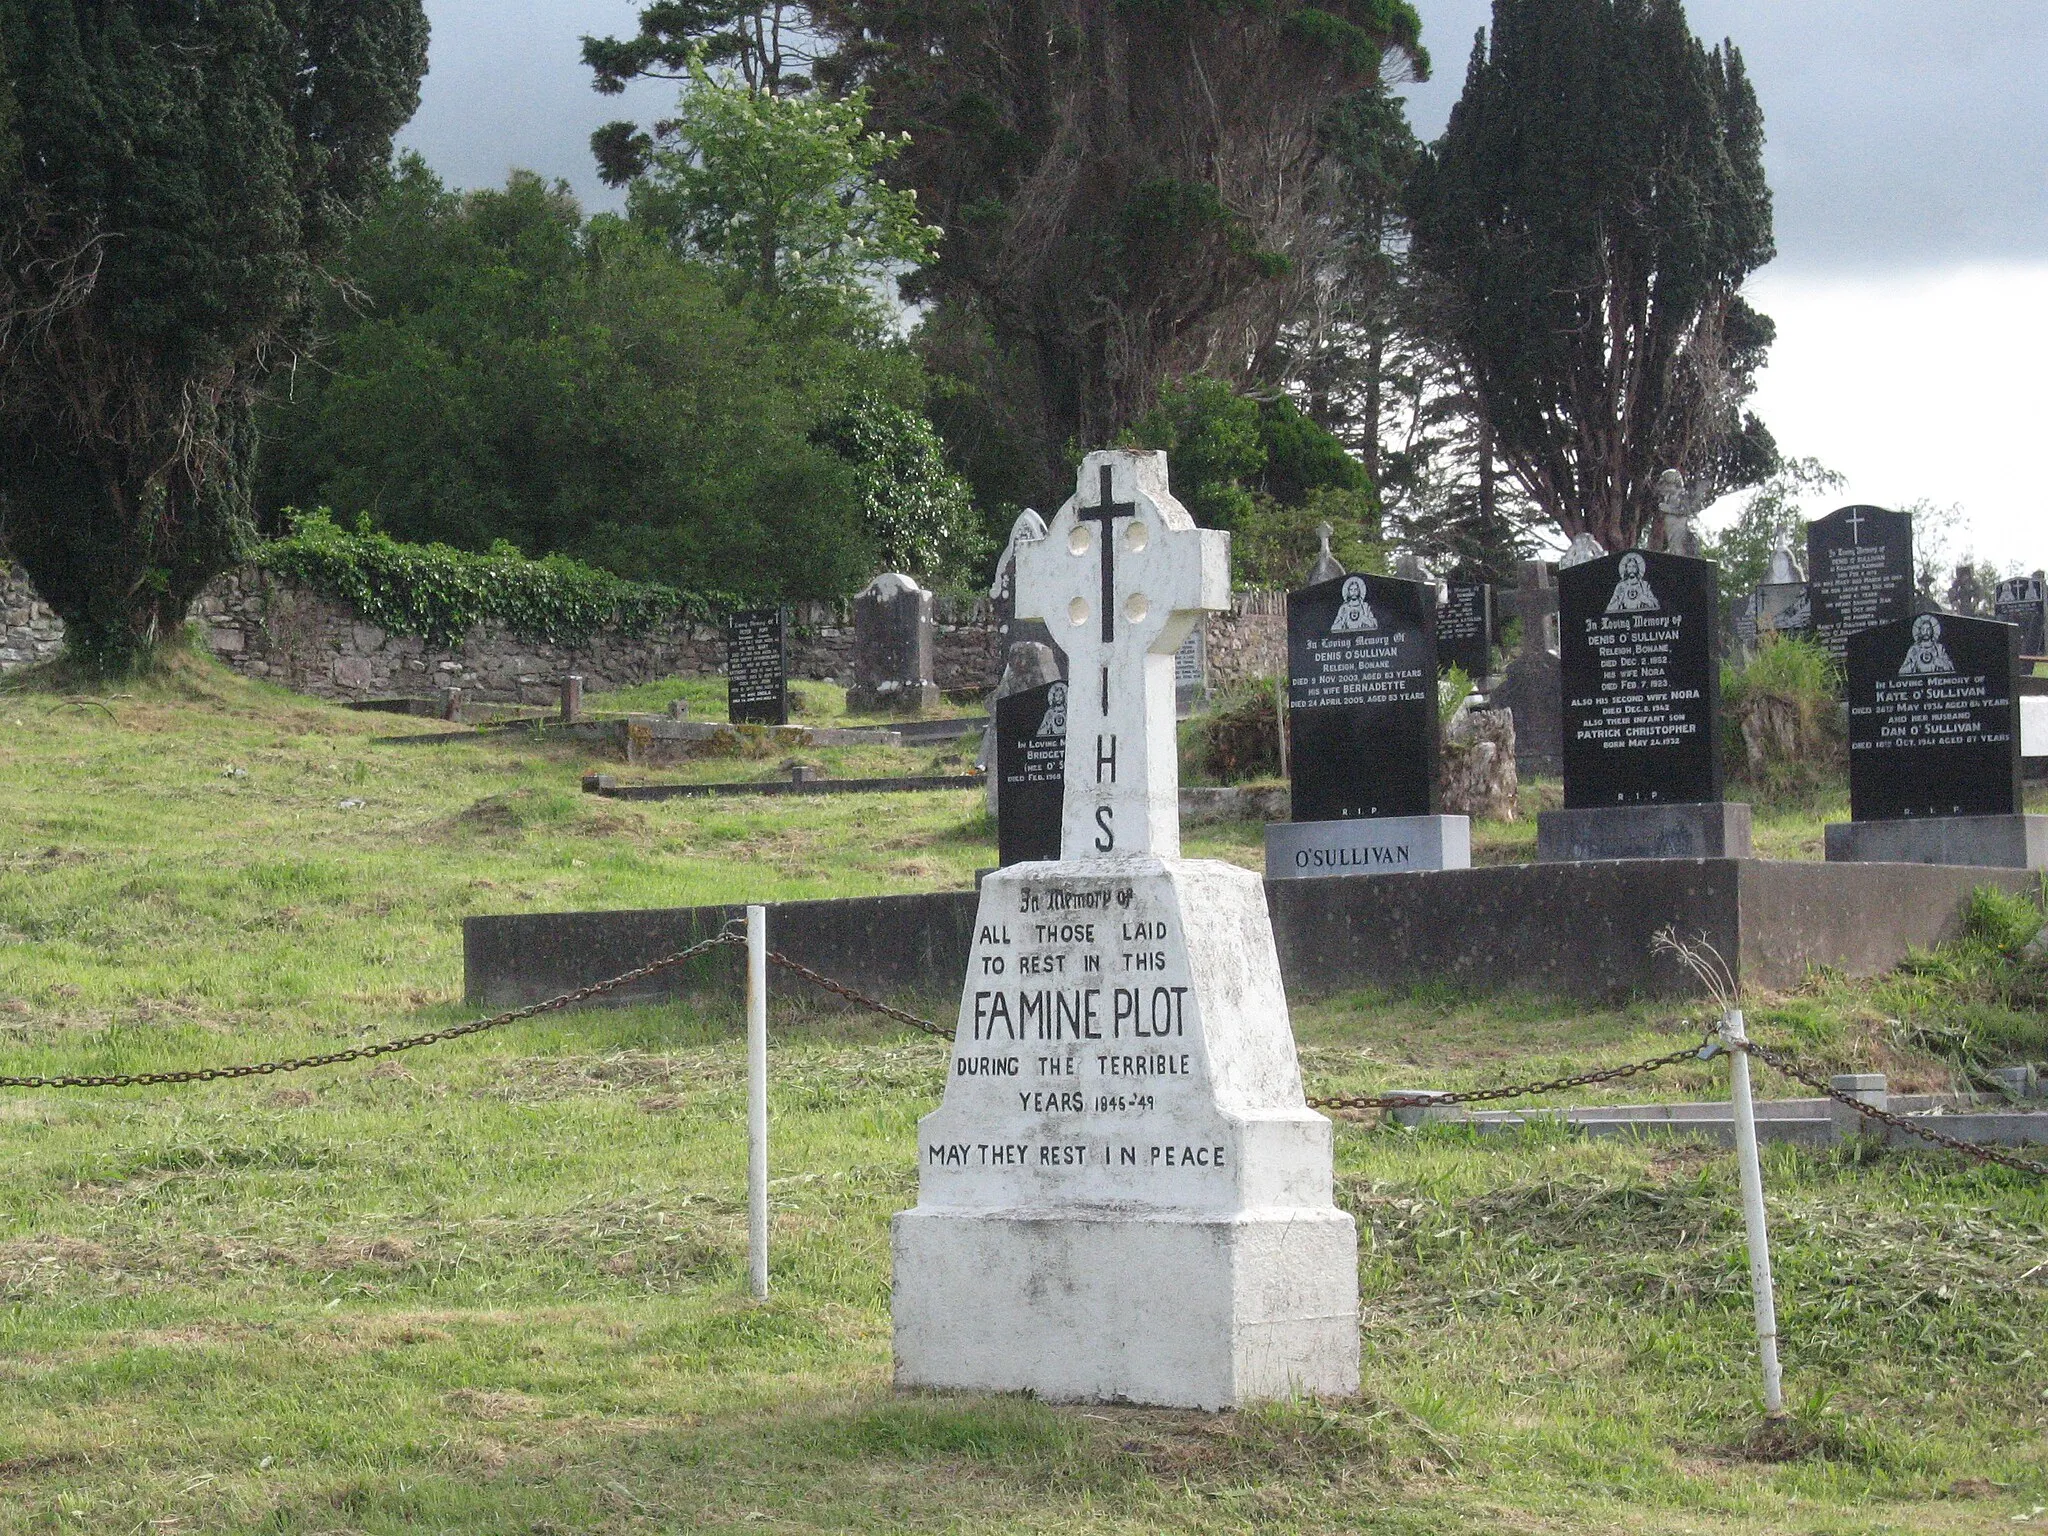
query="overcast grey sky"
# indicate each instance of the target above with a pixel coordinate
(1903, 134)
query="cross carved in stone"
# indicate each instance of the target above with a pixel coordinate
(1120, 578)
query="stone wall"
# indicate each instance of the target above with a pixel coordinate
(283, 633)
(29, 631)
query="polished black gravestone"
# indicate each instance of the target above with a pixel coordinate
(757, 667)
(1363, 734)
(1362, 698)
(1031, 770)
(2024, 601)
(1934, 747)
(1464, 628)
(1641, 681)
(1859, 567)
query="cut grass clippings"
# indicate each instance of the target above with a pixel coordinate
(498, 1286)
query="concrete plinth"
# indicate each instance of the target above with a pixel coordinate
(1998, 842)
(1376, 845)
(1123, 1196)
(1716, 829)
(1184, 1310)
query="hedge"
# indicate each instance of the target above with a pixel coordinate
(438, 593)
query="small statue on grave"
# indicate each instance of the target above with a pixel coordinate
(1675, 501)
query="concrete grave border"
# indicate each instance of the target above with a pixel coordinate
(1570, 930)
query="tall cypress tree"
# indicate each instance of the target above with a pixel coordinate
(1594, 207)
(170, 178)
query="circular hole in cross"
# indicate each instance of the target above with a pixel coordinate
(1136, 536)
(1077, 610)
(1080, 541)
(1136, 606)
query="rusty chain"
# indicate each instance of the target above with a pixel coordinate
(1910, 1124)
(1488, 1095)
(841, 990)
(383, 1047)
(731, 935)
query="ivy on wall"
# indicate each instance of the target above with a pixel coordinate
(437, 593)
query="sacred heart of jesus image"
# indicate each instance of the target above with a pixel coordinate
(1356, 615)
(1055, 721)
(1927, 657)
(1632, 593)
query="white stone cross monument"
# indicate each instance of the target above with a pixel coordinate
(1123, 1197)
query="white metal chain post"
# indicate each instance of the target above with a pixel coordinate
(1753, 1211)
(757, 1098)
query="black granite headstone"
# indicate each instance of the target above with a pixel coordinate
(1362, 698)
(2023, 601)
(1641, 680)
(1859, 566)
(1031, 770)
(757, 667)
(1464, 628)
(1934, 719)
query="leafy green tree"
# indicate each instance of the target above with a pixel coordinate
(918, 514)
(506, 370)
(770, 46)
(172, 177)
(1769, 517)
(1126, 190)
(1264, 471)
(1593, 209)
(781, 192)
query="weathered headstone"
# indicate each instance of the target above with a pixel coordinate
(757, 667)
(1011, 630)
(1642, 693)
(1934, 747)
(1859, 565)
(1464, 628)
(1583, 547)
(892, 649)
(1784, 604)
(2023, 601)
(1191, 672)
(1362, 726)
(1123, 1196)
(572, 698)
(1327, 567)
(1530, 690)
(1028, 772)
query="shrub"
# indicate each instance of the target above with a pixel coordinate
(1239, 738)
(437, 593)
(1785, 732)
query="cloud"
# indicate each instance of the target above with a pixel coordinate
(1902, 134)
(506, 88)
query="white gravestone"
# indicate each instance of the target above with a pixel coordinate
(1124, 1197)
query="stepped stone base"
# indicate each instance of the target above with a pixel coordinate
(1716, 829)
(1996, 842)
(1180, 1311)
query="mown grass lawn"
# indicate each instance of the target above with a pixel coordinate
(499, 1287)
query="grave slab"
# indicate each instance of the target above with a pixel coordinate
(1998, 842)
(1378, 845)
(1718, 829)
(1123, 1196)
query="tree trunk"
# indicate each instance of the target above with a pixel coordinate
(121, 554)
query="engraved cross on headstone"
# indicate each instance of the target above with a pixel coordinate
(1855, 522)
(1120, 578)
